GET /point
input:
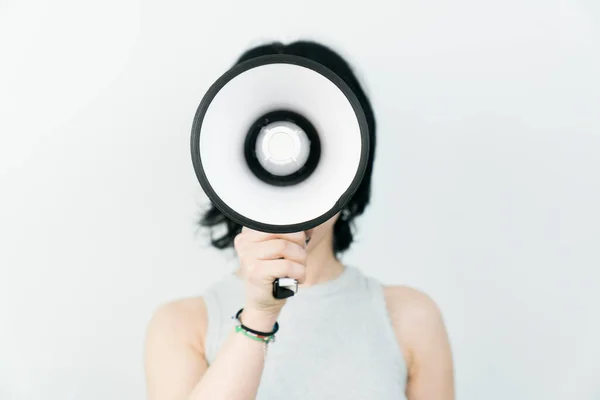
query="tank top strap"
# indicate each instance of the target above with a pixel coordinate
(375, 290)
(222, 299)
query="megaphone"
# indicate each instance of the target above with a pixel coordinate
(279, 144)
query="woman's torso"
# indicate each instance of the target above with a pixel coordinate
(335, 340)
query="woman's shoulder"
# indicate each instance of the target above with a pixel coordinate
(410, 302)
(182, 320)
(185, 320)
(173, 348)
(415, 316)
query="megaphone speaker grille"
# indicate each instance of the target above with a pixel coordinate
(282, 148)
(279, 143)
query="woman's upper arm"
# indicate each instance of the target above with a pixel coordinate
(174, 354)
(422, 335)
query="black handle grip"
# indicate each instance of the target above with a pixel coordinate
(285, 290)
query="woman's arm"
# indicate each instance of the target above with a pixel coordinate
(176, 368)
(422, 335)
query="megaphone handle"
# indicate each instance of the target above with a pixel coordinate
(281, 292)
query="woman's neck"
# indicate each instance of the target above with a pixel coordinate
(322, 265)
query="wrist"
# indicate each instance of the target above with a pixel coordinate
(259, 320)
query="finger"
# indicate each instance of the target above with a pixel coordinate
(280, 248)
(251, 235)
(267, 271)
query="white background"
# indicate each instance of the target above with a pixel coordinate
(486, 187)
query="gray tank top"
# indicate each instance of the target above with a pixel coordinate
(335, 340)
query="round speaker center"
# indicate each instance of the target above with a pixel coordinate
(282, 148)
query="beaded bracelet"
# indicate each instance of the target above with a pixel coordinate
(264, 337)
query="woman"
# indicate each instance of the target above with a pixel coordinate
(342, 336)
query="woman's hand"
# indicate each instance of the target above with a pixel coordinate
(265, 257)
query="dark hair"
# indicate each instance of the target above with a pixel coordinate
(213, 218)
